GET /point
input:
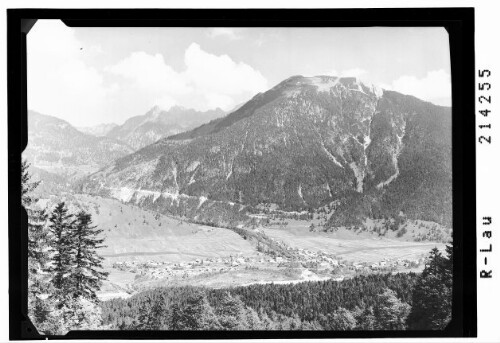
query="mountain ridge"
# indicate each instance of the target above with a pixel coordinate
(306, 143)
(142, 130)
(56, 146)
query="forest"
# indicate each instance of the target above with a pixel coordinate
(64, 267)
(65, 273)
(403, 301)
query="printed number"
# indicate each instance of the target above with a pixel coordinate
(488, 99)
(483, 138)
(484, 112)
(483, 72)
(482, 85)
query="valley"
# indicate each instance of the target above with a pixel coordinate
(145, 249)
(316, 179)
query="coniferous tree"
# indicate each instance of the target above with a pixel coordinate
(231, 313)
(432, 294)
(61, 247)
(152, 315)
(38, 309)
(390, 312)
(175, 320)
(198, 314)
(86, 275)
(37, 218)
(342, 319)
(366, 320)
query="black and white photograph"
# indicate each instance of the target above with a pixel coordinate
(223, 178)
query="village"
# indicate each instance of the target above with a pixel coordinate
(320, 263)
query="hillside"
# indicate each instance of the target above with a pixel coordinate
(143, 130)
(98, 130)
(306, 144)
(58, 148)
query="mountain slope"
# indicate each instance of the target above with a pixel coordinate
(306, 143)
(140, 131)
(98, 130)
(56, 146)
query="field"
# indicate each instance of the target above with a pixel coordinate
(145, 249)
(349, 245)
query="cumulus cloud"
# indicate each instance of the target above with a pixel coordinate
(220, 74)
(150, 73)
(207, 82)
(434, 87)
(225, 32)
(59, 82)
(66, 80)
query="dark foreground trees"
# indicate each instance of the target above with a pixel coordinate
(64, 268)
(371, 302)
(432, 294)
(87, 274)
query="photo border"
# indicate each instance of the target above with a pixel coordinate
(459, 22)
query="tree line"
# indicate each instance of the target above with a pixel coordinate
(64, 268)
(65, 274)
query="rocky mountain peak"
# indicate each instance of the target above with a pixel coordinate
(305, 143)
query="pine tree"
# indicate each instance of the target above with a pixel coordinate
(231, 313)
(37, 218)
(61, 247)
(432, 295)
(86, 275)
(342, 319)
(390, 312)
(37, 248)
(198, 314)
(152, 314)
(175, 319)
(366, 320)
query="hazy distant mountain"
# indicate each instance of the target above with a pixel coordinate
(304, 144)
(98, 130)
(57, 147)
(143, 130)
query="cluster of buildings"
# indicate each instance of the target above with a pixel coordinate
(301, 258)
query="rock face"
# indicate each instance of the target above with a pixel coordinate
(140, 131)
(57, 147)
(304, 144)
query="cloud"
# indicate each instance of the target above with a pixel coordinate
(224, 32)
(354, 72)
(220, 74)
(434, 87)
(64, 80)
(60, 83)
(207, 82)
(150, 73)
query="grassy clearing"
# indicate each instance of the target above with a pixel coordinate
(349, 245)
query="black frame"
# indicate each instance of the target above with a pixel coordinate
(459, 22)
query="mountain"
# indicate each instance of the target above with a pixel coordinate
(98, 130)
(308, 144)
(143, 130)
(57, 147)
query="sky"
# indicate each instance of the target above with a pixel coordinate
(90, 76)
